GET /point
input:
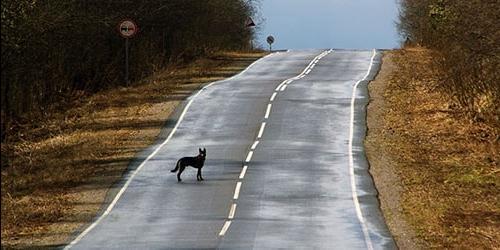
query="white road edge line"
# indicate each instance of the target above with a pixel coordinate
(243, 172)
(359, 213)
(225, 228)
(237, 190)
(232, 211)
(134, 173)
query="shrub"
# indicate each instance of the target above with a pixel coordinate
(465, 34)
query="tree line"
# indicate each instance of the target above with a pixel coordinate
(465, 37)
(57, 49)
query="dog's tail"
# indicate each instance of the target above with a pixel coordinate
(176, 167)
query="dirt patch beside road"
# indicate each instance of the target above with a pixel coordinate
(436, 170)
(61, 169)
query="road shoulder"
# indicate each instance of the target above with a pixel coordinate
(382, 169)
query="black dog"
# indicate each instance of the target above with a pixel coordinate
(196, 162)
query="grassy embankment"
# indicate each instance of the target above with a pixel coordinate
(436, 168)
(61, 167)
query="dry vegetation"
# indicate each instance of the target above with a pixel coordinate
(445, 162)
(61, 167)
(52, 50)
(442, 120)
(464, 36)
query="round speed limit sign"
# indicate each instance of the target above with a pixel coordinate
(127, 28)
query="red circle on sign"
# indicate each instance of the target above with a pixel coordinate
(127, 28)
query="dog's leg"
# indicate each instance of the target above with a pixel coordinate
(180, 172)
(198, 176)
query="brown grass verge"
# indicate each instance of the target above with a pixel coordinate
(445, 166)
(59, 170)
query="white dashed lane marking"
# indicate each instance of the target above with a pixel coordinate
(268, 110)
(225, 228)
(243, 172)
(273, 96)
(261, 131)
(249, 156)
(281, 87)
(237, 190)
(232, 211)
(150, 156)
(255, 145)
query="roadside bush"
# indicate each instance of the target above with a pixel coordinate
(465, 36)
(54, 50)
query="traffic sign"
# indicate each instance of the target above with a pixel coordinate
(249, 22)
(127, 28)
(270, 40)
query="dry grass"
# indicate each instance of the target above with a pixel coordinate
(448, 164)
(382, 167)
(56, 174)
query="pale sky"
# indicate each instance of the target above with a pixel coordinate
(355, 24)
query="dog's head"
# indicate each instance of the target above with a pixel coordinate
(202, 153)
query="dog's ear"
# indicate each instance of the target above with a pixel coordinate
(199, 150)
(204, 150)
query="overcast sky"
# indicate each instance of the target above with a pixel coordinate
(302, 24)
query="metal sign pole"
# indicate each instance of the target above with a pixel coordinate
(127, 29)
(126, 61)
(270, 40)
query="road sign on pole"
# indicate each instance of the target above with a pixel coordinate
(127, 29)
(270, 40)
(249, 22)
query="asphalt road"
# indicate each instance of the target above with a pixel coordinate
(304, 184)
